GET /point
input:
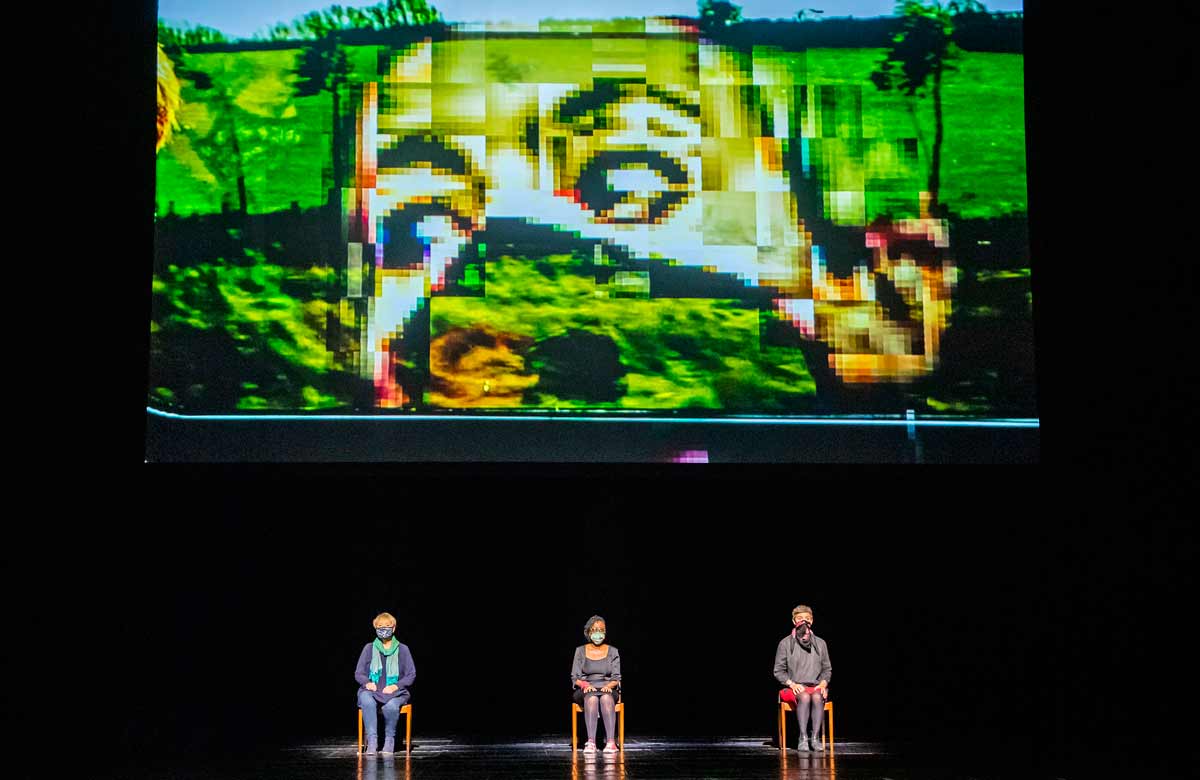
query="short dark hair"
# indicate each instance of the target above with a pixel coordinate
(593, 620)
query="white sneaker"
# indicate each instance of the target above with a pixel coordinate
(611, 747)
(589, 748)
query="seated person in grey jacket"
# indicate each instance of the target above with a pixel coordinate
(385, 670)
(596, 676)
(802, 666)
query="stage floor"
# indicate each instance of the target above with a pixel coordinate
(551, 758)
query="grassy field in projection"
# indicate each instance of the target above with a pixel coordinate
(285, 141)
(236, 331)
(228, 337)
(664, 353)
(983, 157)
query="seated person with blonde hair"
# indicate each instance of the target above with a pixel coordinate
(385, 670)
(802, 666)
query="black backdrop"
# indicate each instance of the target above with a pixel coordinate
(491, 590)
(1005, 611)
(1040, 607)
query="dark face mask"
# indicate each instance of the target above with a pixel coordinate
(385, 633)
(803, 633)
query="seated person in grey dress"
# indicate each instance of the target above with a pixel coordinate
(384, 672)
(802, 666)
(596, 676)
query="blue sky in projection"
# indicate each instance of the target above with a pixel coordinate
(239, 18)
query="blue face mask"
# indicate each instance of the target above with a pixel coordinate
(385, 632)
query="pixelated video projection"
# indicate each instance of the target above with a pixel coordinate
(656, 151)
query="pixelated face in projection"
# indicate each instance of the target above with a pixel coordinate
(656, 147)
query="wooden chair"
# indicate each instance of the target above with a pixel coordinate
(577, 710)
(785, 708)
(406, 711)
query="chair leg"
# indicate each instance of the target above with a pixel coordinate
(408, 734)
(830, 729)
(360, 728)
(622, 728)
(574, 730)
(782, 729)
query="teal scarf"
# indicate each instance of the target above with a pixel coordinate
(378, 653)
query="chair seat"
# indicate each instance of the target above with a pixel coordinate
(406, 711)
(786, 707)
(576, 710)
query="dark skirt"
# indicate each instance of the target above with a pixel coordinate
(578, 696)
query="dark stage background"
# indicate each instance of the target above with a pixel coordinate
(939, 611)
(1010, 618)
(1038, 611)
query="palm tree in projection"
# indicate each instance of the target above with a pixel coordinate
(716, 15)
(921, 53)
(323, 65)
(220, 148)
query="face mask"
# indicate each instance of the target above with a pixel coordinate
(597, 637)
(802, 633)
(385, 632)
